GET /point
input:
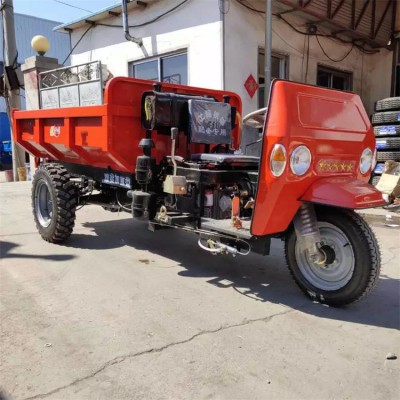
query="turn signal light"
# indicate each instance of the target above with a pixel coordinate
(278, 159)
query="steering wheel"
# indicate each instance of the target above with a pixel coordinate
(256, 118)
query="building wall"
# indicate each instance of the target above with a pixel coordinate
(377, 78)
(244, 32)
(26, 27)
(199, 27)
(195, 26)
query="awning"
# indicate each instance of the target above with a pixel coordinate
(362, 21)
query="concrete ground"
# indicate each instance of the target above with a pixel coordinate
(119, 312)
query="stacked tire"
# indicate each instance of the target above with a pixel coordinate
(386, 123)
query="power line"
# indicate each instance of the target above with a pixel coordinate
(147, 22)
(76, 44)
(359, 47)
(250, 7)
(332, 59)
(285, 41)
(70, 5)
(308, 58)
(120, 26)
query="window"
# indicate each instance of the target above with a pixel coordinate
(279, 69)
(171, 68)
(334, 79)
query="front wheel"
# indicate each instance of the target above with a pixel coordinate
(352, 264)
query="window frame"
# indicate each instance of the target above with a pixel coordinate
(338, 72)
(283, 70)
(159, 58)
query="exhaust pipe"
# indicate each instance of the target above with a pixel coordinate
(125, 24)
(216, 247)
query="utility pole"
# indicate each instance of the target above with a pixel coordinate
(268, 46)
(10, 59)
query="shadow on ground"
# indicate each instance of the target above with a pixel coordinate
(259, 278)
(3, 395)
(6, 251)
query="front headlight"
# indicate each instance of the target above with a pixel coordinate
(300, 160)
(366, 160)
(278, 159)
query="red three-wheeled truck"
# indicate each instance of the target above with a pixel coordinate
(180, 157)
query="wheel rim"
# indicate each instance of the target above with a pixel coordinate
(333, 276)
(43, 204)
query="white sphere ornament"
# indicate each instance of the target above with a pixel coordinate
(40, 44)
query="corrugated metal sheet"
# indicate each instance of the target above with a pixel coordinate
(26, 27)
(343, 18)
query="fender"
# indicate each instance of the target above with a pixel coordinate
(346, 192)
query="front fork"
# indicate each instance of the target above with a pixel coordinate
(307, 232)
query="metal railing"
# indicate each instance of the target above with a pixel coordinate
(74, 86)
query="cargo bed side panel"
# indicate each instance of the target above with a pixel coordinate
(105, 136)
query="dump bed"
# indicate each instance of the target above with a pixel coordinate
(107, 135)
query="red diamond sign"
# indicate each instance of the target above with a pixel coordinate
(251, 86)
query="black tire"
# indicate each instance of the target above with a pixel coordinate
(54, 199)
(386, 143)
(391, 103)
(386, 117)
(388, 155)
(365, 262)
(386, 130)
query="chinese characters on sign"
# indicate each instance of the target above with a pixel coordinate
(210, 122)
(216, 121)
(119, 180)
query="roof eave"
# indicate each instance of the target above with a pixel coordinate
(111, 11)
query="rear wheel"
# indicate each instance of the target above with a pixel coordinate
(352, 264)
(53, 202)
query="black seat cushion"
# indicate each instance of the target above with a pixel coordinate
(218, 158)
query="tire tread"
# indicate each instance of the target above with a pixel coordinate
(385, 117)
(390, 103)
(66, 199)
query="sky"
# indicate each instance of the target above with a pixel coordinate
(61, 10)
